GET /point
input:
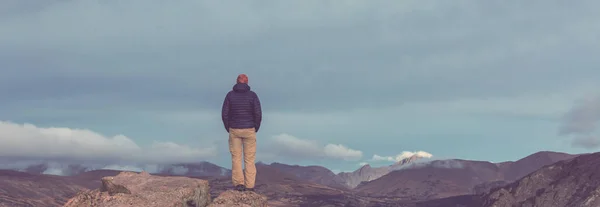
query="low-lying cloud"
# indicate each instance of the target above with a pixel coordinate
(29, 142)
(581, 123)
(295, 148)
(448, 164)
(402, 156)
(69, 168)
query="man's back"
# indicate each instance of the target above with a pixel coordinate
(241, 108)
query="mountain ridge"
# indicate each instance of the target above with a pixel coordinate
(570, 182)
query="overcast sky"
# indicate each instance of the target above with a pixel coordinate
(341, 82)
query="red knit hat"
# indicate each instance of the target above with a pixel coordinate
(242, 78)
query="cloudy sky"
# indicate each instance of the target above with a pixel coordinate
(341, 82)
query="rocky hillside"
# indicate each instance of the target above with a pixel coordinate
(316, 174)
(512, 171)
(446, 178)
(573, 182)
(485, 187)
(25, 189)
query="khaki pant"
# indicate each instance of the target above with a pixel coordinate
(242, 140)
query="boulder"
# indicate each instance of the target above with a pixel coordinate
(142, 189)
(241, 199)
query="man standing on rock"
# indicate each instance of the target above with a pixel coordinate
(241, 116)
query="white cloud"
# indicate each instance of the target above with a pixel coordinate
(342, 152)
(581, 122)
(293, 147)
(54, 171)
(541, 106)
(169, 151)
(449, 163)
(381, 158)
(28, 141)
(401, 156)
(363, 164)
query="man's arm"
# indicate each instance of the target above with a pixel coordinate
(257, 112)
(225, 112)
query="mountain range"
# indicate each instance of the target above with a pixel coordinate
(409, 182)
(569, 182)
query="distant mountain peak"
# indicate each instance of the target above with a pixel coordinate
(261, 163)
(367, 173)
(409, 159)
(365, 166)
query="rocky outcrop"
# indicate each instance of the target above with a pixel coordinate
(237, 198)
(574, 182)
(143, 189)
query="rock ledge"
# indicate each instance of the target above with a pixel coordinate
(142, 189)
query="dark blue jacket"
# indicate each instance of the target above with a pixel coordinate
(241, 108)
